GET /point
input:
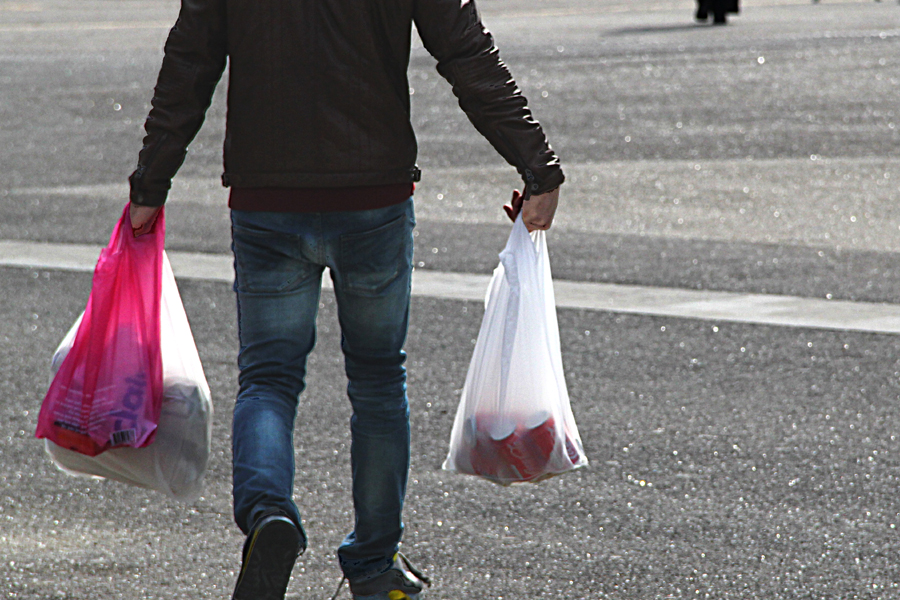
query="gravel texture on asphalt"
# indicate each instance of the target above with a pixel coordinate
(727, 461)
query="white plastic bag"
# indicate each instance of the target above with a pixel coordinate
(175, 462)
(514, 421)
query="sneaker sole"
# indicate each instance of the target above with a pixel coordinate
(270, 559)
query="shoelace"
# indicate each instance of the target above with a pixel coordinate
(414, 570)
(338, 591)
(406, 563)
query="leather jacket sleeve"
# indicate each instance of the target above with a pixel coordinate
(468, 59)
(195, 56)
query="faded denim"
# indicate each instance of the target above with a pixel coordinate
(279, 259)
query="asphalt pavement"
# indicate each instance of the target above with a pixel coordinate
(728, 460)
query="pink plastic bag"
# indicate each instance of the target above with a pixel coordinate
(108, 391)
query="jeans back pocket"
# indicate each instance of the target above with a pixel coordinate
(268, 262)
(372, 260)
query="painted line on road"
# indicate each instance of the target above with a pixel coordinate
(759, 309)
(86, 26)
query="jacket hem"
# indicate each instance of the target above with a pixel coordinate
(319, 180)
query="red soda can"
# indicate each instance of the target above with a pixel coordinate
(482, 453)
(502, 435)
(541, 433)
(526, 446)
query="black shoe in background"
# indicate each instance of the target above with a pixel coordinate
(702, 13)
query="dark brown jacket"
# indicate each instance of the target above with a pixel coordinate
(318, 93)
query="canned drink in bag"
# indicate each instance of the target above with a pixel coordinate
(540, 429)
(497, 434)
(512, 448)
(480, 450)
(527, 445)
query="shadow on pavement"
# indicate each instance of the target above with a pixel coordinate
(656, 29)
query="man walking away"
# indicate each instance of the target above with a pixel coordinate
(320, 157)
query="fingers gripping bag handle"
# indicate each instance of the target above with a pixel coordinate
(514, 422)
(108, 390)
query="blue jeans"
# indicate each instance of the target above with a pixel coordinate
(279, 259)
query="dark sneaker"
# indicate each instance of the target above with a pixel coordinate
(269, 555)
(401, 582)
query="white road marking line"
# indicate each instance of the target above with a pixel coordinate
(759, 309)
(75, 26)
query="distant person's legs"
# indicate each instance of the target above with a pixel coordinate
(702, 13)
(720, 11)
(718, 8)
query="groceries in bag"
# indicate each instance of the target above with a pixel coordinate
(176, 462)
(108, 391)
(515, 447)
(128, 399)
(514, 422)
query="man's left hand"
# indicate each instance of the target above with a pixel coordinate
(537, 211)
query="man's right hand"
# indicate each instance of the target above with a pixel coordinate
(537, 211)
(142, 218)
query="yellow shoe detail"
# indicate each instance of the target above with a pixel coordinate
(397, 595)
